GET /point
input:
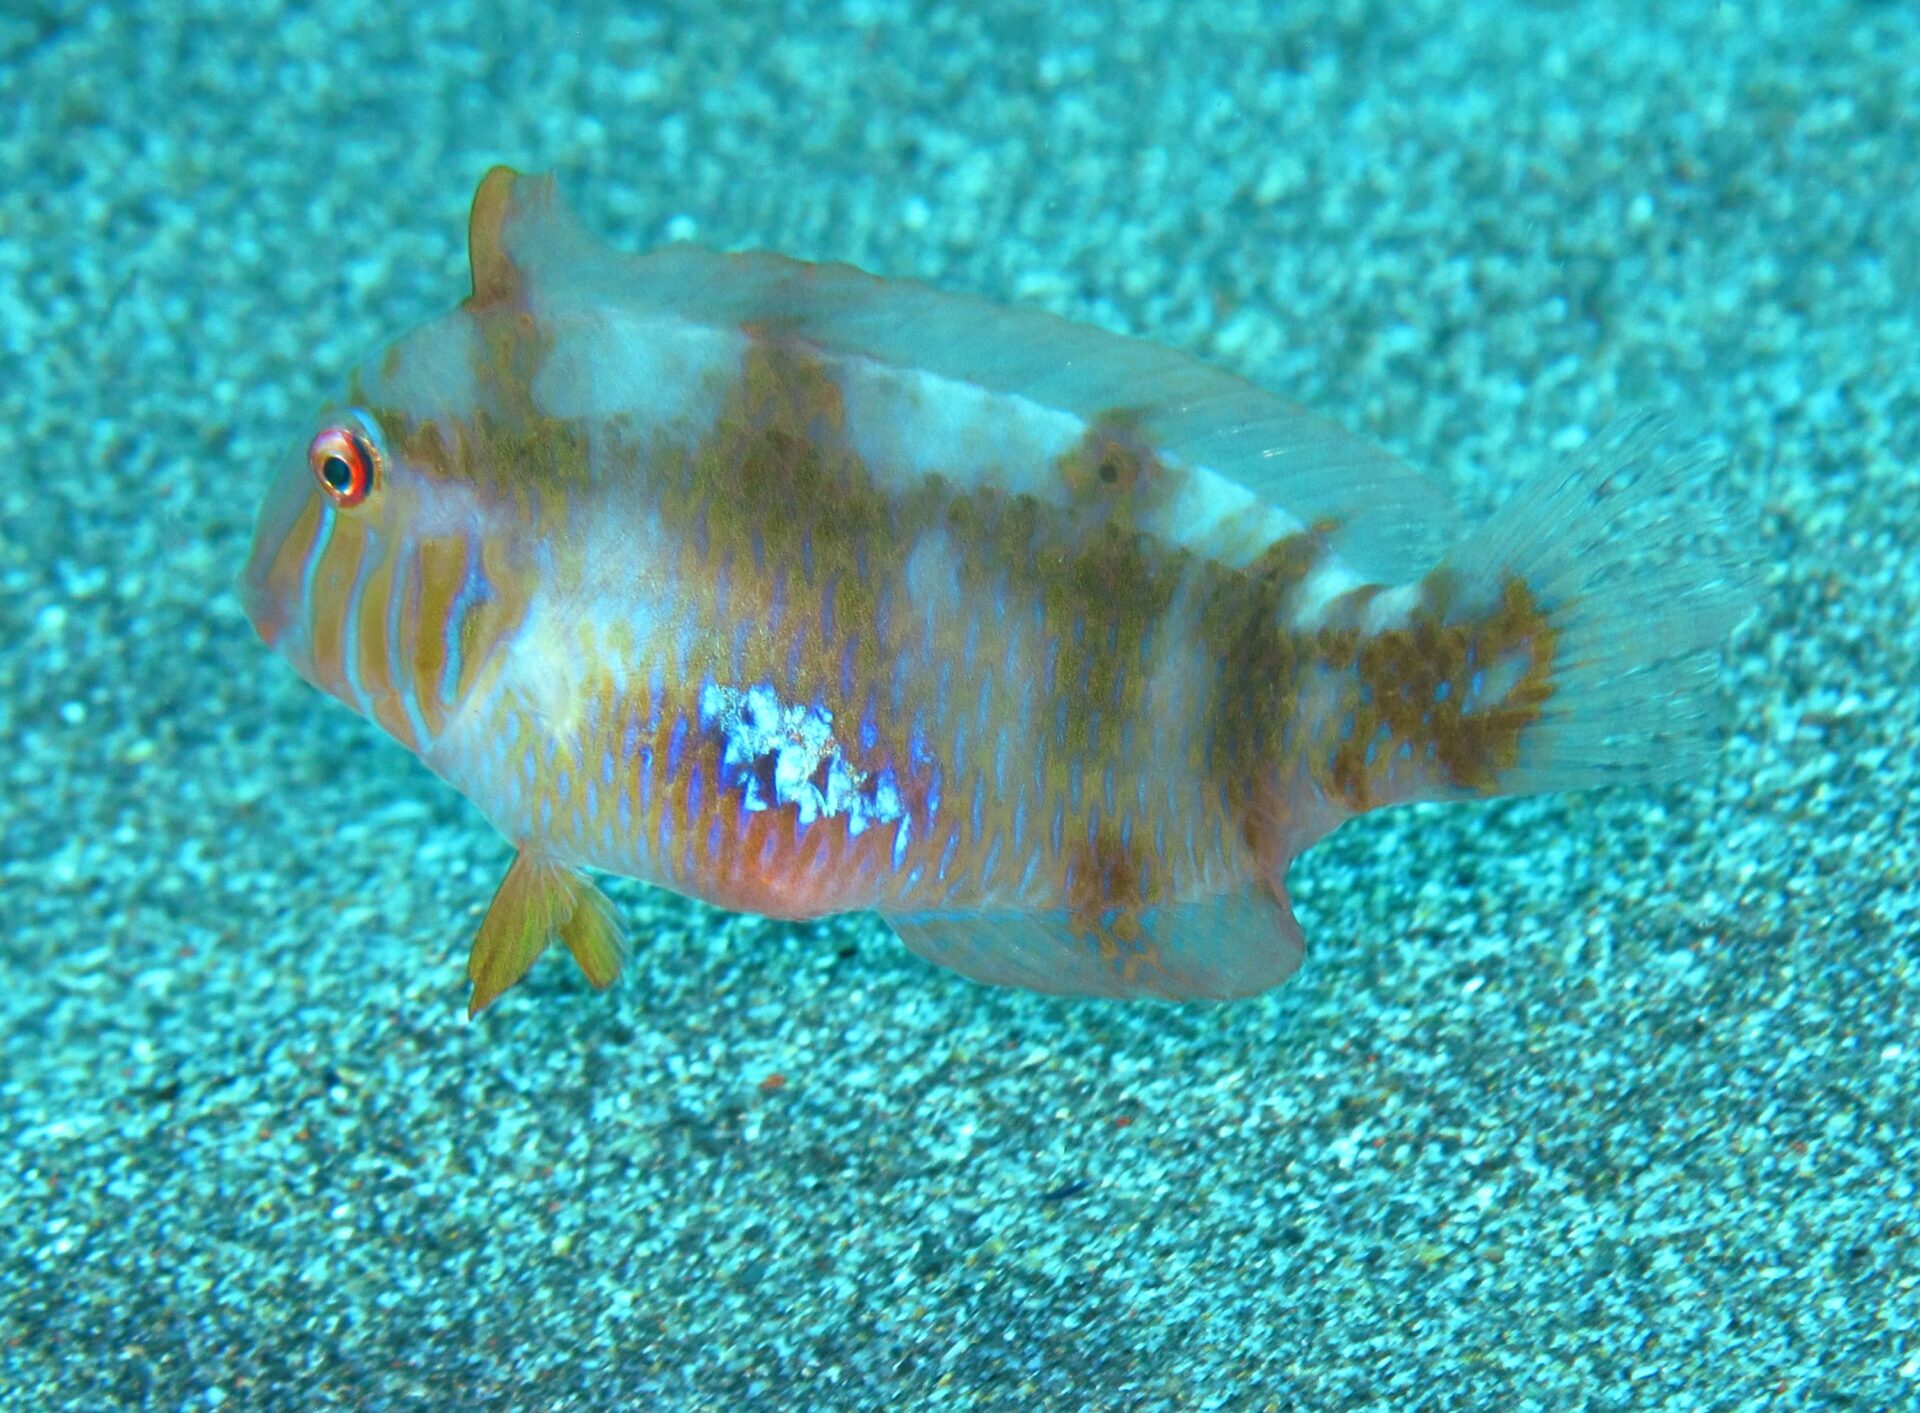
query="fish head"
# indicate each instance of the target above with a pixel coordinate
(388, 561)
(403, 536)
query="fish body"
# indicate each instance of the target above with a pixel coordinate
(804, 592)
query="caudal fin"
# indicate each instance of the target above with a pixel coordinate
(1639, 560)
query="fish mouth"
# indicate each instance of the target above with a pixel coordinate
(268, 618)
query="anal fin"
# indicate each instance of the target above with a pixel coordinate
(538, 901)
(1238, 943)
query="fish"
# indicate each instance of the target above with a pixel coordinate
(802, 592)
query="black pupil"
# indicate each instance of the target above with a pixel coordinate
(337, 474)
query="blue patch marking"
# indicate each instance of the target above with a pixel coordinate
(779, 754)
(886, 805)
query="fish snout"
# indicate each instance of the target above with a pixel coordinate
(283, 544)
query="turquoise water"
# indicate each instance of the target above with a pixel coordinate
(1594, 1101)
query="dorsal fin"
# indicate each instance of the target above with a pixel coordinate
(496, 279)
(1390, 522)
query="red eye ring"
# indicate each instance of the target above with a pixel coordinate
(345, 464)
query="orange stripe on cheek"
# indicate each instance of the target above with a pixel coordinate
(439, 567)
(288, 568)
(332, 585)
(375, 661)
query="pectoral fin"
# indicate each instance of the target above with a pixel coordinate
(538, 901)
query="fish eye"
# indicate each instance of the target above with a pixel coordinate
(345, 463)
